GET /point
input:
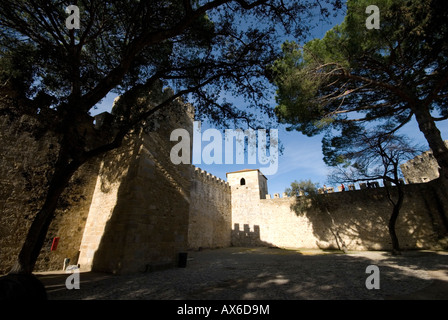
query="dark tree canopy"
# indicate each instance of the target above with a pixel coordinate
(357, 77)
(200, 49)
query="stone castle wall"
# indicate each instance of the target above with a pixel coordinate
(357, 219)
(125, 212)
(134, 210)
(422, 168)
(138, 219)
(24, 172)
(210, 211)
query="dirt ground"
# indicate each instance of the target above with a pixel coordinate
(269, 274)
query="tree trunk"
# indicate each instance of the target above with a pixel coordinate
(36, 234)
(393, 220)
(392, 232)
(440, 151)
(72, 146)
(433, 137)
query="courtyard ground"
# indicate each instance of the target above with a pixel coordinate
(269, 274)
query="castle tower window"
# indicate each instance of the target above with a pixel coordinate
(242, 182)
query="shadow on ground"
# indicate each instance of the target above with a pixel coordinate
(271, 274)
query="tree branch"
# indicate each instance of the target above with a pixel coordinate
(440, 85)
(378, 84)
(126, 127)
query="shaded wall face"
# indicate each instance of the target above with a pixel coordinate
(24, 172)
(147, 226)
(138, 220)
(69, 222)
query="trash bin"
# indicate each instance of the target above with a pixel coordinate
(182, 259)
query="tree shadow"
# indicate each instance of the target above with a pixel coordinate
(289, 276)
(247, 238)
(138, 220)
(358, 220)
(276, 274)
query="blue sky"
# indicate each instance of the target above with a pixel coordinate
(302, 157)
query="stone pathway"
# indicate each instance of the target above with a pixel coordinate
(270, 274)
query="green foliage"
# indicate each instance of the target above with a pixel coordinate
(302, 191)
(306, 195)
(302, 188)
(356, 76)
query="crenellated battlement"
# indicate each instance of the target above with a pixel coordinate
(277, 196)
(202, 175)
(330, 190)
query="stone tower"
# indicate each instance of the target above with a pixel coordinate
(422, 168)
(248, 186)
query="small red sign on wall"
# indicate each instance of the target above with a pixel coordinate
(54, 245)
